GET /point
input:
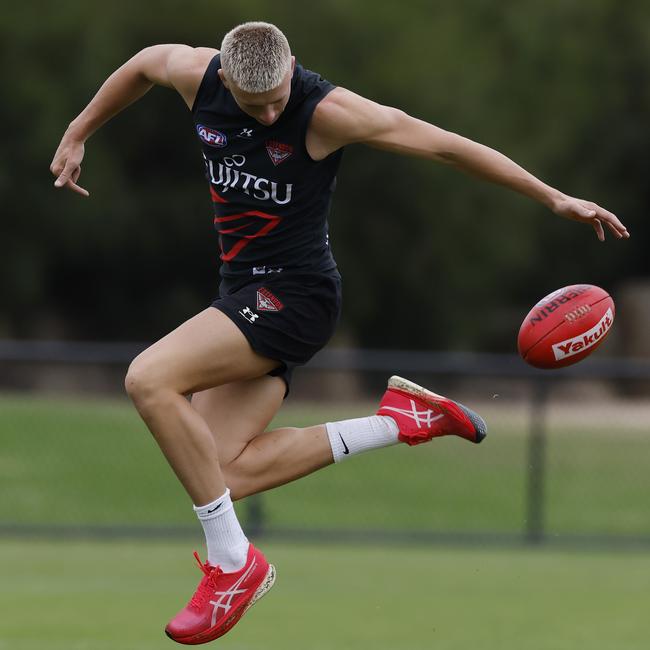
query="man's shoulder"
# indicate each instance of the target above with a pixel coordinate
(329, 123)
(186, 67)
(338, 111)
(331, 109)
(344, 117)
(187, 60)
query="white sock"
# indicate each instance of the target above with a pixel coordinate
(350, 437)
(227, 544)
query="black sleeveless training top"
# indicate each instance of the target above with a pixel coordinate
(271, 199)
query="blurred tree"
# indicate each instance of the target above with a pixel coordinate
(562, 87)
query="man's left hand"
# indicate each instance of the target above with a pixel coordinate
(590, 213)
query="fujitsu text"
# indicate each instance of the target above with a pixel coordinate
(228, 177)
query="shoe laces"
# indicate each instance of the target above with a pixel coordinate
(207, 585)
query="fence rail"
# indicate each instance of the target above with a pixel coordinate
(453, 365)
(464, 364)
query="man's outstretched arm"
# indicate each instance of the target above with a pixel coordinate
(344, 117)
(174, 66)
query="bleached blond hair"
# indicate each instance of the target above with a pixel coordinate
(255, 56)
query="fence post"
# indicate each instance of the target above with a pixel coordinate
(535, 511)
(255, 521)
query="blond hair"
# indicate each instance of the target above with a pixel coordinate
(255, 56)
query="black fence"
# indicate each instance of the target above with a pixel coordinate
(616, 387)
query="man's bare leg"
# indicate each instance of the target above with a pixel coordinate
(253, 460)
(207, 350)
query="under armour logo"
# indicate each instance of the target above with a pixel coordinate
(421, 418)
(249, 314)
(245, 133)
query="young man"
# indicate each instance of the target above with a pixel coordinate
(272, 135)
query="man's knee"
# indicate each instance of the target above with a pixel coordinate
(143, 383)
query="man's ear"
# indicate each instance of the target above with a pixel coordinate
(293, 63)
(222, 76)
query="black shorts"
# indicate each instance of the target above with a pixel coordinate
(285, 316)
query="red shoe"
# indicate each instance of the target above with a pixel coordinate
(422, 415)
(221, 599)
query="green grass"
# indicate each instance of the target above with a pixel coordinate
(65, 461)
(79, 462)
(118, 596)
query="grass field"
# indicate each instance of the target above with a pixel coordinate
(93, 462)
(118, 596)
(79, 462)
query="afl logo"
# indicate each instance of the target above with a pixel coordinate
(210, 136)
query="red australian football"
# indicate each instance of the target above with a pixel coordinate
(566, 326)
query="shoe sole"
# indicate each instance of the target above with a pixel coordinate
(399, 383)
(206, 637)
(263, 589)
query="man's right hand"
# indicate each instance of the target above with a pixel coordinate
(170, 65)
(66, 164)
